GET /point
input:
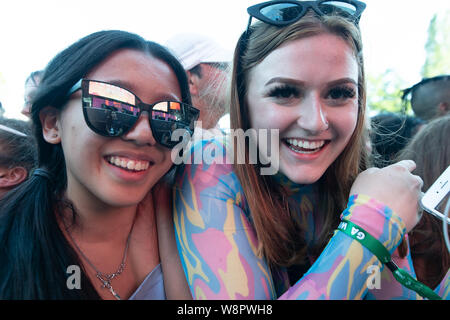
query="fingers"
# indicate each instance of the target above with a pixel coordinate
(407, 164)
(410, 165)
(420, 181)
(421, 195)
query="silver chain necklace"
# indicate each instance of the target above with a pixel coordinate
(106, 278)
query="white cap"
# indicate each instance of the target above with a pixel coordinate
(192, 49)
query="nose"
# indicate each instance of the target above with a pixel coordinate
(141, 133)
(312, 116)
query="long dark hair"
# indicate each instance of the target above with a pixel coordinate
(430, 150)
(34, 253)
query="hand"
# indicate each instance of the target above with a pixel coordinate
(396, 187)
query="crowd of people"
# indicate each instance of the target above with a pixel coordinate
(89, 182)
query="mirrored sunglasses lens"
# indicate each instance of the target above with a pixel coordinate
(167, 111)
(282, 11)
(168, 116)
(111, 91)
(109, 118)
(338, 7)
(165, 118)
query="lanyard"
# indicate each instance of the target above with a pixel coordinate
(377, 248)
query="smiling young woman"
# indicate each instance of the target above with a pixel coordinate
(243, 235)
(97, 200)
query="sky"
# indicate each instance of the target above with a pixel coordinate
(32, 32)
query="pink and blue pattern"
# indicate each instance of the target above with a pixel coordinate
(218, 245)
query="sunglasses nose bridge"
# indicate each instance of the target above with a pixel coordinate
(145, 107)
(142, 133)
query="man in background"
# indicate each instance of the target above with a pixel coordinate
(207, 65)
(430, 98)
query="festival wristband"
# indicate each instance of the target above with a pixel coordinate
(377, 248)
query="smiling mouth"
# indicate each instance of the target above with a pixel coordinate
(129, 164)
(305, 146)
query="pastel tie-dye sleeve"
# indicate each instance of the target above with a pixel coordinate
(216, 242)
(443, 289)
(218, 245)
(343, 269)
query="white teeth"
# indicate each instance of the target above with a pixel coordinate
(129, 164)
(312, 145)
(138, 167)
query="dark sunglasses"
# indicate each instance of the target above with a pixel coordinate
(407, 93)
(283, 13)
(111, 111)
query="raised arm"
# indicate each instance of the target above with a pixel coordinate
(217, 243)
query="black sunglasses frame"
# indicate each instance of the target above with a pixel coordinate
(189, 112)
(406, 94)
(407, 91)
(255, 11)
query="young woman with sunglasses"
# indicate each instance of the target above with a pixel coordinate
(243, 235)
(84, 226)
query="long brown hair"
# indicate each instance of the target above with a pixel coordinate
(430, 149)
(281, 238)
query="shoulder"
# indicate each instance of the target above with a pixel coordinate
(207, 173)
(209, 155)
(207, 162)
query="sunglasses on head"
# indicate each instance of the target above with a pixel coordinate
(111, 111)
(283, 13)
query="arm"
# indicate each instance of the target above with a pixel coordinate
(217, 243)
(175, 284)
(443, 289)
(343, 268)
(387, 287)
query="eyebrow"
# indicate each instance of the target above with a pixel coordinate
(302, 83)
(285, 80)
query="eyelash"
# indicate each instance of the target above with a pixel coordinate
(343, 92)
(284, 92)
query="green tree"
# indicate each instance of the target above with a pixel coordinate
(437, 46)
(384, 92)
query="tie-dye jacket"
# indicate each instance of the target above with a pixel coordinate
(217, 242)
